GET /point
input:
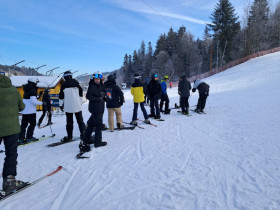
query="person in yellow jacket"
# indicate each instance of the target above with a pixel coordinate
(137, 91)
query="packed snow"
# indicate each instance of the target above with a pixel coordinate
(228, 158)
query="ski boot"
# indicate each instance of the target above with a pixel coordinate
(31, 139)
(147, 121)
(66, 139)
(197, 110)
(10, 184)
(133, 122)
(157, 117)
(22, 141)
(119, 126)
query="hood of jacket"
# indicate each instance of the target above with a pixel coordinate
(5, 81)
(110, 82)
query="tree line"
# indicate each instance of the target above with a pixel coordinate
(179, 53)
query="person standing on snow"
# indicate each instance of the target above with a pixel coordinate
(46, 108)
(164, 96)
(29, 113)
(138, 98)
(114, 101)
(184, 93)
(154, 92)
(203, 90)
(95, 95)
(11, 104)
(70, 101)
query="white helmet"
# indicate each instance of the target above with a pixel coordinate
(33, 80)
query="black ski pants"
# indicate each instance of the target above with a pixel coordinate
(70, 123)
(49, 115)
(184, 103)
(95, 122)
(10, 163)
(154, 107)
(27, 119)
(201, 101)
(164, 98)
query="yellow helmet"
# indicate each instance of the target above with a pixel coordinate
(166, 77)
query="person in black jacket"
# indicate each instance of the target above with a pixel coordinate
(184, 92)
(70, 101)
(203, 90)
(114, 101)
(95, 95)
(46, 108)
(154, 92)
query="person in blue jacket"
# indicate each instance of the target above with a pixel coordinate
(164, 96)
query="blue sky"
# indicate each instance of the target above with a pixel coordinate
(92, 35)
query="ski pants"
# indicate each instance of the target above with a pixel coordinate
(49, 115)
(27, 119)
(10, 163)
(154, 107)
(184, 103)
(111, 112)
(164, 98)
(95, 122)
(69, 123)
(135, 110)
(202, 100)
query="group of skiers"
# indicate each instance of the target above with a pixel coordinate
(71, 100)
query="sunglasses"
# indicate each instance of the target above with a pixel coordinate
(98, 76)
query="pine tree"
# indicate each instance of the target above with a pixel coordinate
(225, 26)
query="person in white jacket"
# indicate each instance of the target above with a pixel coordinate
(70, 101)
(29, 113)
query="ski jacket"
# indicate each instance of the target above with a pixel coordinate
(114, 95)
(184, 88)
(71, 94)
(163, 86)
(202, 87)
(95, 95)
(30, 98)
(154, 89)
(137, 91)
(11, 104)
(46, 102)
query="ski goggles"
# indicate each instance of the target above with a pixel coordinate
(97, 76)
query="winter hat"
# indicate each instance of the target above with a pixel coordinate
(67, 73)
(154, 76)
(137, 76)
(33, 80)
(111, 78)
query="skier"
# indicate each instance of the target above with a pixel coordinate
(70, 101)
(146, 96)
(184, 93)
(11, 104)
(95, 95)
(138, 98)
(29, 113)
(46, 108)
(114, 101)
(164, 96)
(203, 90)
(154, 92)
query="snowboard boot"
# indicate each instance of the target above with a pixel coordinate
(147, 121)
(100, 144)
(66, 139)
(119, 126)
(10, 184)
(133, 122)
(22, 141)
(196, 110)
(84, 147)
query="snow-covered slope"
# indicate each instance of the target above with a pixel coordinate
(226, 159)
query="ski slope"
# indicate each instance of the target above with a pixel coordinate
(226, 159)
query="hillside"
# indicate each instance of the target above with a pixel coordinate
(226, 159)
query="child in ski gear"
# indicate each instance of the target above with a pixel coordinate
(71, 100)
(184, 93)
(138, 98)
(164, 96)
(29, 113)
(46, 108)
(154, 92)
(203, 90)
(114, 101)
(11, 104)
(95, 95)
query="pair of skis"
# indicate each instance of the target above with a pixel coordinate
(4, 195)
(40, 139)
